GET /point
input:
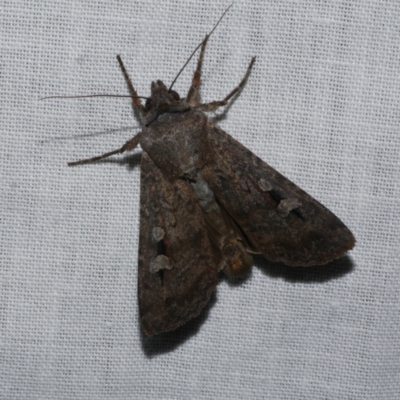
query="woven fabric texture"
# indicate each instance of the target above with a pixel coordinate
(322, 106)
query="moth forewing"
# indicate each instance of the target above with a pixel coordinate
(173, 236)
(281, 221)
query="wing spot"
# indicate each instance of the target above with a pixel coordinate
(286, 206)
(160, 263)
(158, 233)
(298, 213)
(277, 197)
(264, 185)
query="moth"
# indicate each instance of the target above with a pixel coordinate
(207, 204)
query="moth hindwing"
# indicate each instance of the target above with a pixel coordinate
(207, 203)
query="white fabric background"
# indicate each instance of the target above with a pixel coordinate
(322, 106)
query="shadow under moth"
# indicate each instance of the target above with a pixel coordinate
(207, 203)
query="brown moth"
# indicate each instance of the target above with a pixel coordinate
(207, 203)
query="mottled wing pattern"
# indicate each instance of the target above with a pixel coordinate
(281, 221)
(178, 266)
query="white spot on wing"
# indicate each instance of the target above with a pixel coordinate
(159, 263)
(158, 233)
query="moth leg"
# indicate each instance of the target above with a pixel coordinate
(215, 104)
(136, 103)
(193, 96)
(129, 145)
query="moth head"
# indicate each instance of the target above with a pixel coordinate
(162, 101)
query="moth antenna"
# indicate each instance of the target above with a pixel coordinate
(93, 95)
(194, 52)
